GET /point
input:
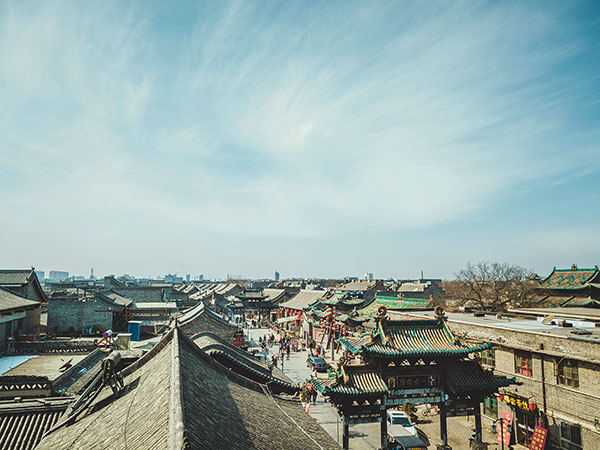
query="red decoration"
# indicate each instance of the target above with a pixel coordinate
(531, 405)
(501, 397)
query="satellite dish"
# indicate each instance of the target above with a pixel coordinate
(548, 319)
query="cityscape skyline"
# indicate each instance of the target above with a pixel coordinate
(315, 139)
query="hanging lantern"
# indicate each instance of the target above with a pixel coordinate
(501, 397)
(531, 405)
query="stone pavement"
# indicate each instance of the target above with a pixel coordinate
(366, 436)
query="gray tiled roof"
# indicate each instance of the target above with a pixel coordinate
(201, 319)
(176, 397)
(23, 423)
(9, 276)
(9, 300)
(303, 299)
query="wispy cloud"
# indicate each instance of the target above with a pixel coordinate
(296, 120)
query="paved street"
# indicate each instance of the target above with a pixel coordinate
(366, 436)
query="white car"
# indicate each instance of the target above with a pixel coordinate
(399, 424)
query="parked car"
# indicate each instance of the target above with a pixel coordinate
(399, 424)
(318, 364)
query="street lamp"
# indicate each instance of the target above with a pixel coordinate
(508, 428)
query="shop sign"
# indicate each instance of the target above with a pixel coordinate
(504, 431)
(518, 402)
(538, 440)
(408, 382)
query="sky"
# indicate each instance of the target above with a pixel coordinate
(318, 139)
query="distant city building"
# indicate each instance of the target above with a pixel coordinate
(92, 277)
(187, 278)
(201, 277)
(369, 276)
(40, 274)
(276, 276)
(58, 275)
(171, 278)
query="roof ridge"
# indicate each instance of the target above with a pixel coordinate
(176, 417)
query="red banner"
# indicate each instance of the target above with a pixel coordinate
(503, 433)
(538, 440)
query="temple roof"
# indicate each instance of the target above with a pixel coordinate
(463, 377)
(573, 278)
(412, 338)
(357, 382)
(470, 378)
(177, 397)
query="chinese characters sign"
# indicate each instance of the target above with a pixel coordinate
(516, 401)
(406, 382)
(503, 431)
(538, 440)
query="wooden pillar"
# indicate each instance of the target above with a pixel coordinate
(383, 424)
(443, 424)
(478, 427)
(345, 434)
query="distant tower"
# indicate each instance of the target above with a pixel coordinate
(276, 276)
(92, 277)
(369, 276)
(187, 278)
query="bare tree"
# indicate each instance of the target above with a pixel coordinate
(490, 286)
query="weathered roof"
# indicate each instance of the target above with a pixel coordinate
(274, 295)
(413, 338)
(357, 285)
(176, 397)
(244, 364)
(9, 300)
(572, 278)
(303, 299)
(116, 297)
(23, 423)
(15, 277)
(201, 319)
(470, 378)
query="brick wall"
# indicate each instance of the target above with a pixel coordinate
(75, 315)
(573, 405)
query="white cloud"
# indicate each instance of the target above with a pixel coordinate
(295, 122)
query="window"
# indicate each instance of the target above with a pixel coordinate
(488, 357)
(570, 436)
(567, 373)
(490, 407)
(523, 363)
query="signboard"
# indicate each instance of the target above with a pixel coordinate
(538, 440)
(517, 402)
(415, 381)
(503, 431)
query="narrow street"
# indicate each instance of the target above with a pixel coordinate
(366, 436)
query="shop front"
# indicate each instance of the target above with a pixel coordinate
(526, 417)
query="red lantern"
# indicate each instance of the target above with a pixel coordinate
(501, 397)
(531, 405)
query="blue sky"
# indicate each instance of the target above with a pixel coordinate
(314, 138)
